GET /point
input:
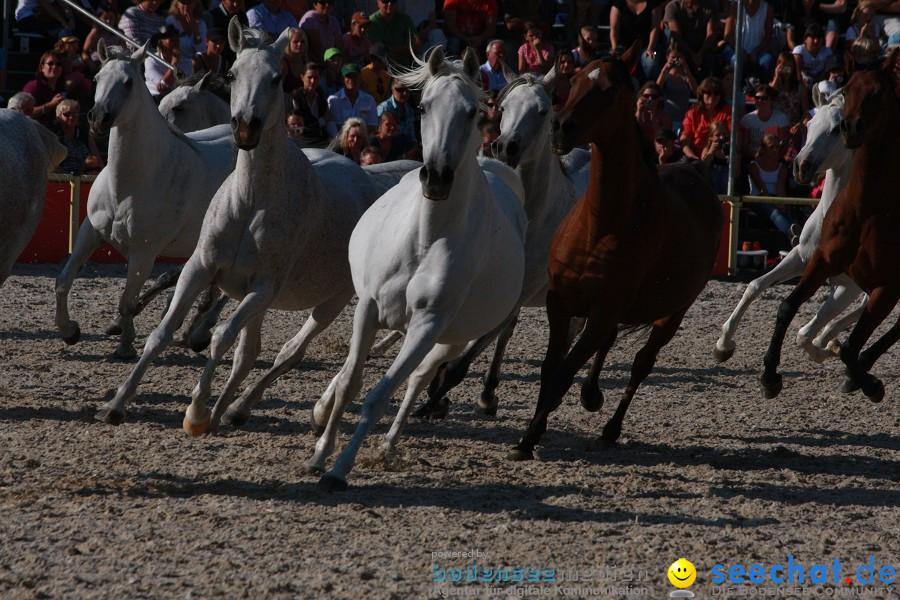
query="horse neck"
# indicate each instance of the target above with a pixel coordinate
(874, 174)
(542, 176)
(836, 179)
(254, 169)
(220, 110)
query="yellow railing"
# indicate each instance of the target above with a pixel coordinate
(74, 182)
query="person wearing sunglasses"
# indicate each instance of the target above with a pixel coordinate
(323, 30)
(765, 119)
(400, 106)
(47, 87)
(82, 153)
(394, 29)
(649, 111)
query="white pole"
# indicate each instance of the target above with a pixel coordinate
(737, 93)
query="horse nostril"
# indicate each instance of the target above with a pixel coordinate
(234, 123)
(554, 124)
(843, 126)
(569, 127)
(512, 149)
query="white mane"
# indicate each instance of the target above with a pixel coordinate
(419, 76)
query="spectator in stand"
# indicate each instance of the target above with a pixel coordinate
(565, 70)
(580, 16)
(399, 105)
(212, 58)
(142, 21)
(221, 15)
(370, 156)
(490, 131)
(812, 58)
(322, 29)
(311, 103)
(110, 16)
(58, 19)
(186, 17)
(158, 78)
(649, 111)
(469, 23)
(588, 47)
(792, 98)
(351, 101)
(293, 63)
(677, 84)
(768, 177)
(889, 18)
(22, 102)
(356, 44)
(78, 86)
(352, 138)
(632, 20)
(270, 16)
(521, 15)
(715, 155)
(692, 24)
(535, 55)
(82, 153)
(491, 113)
(395, 30)
(422, 14)
(863, 23)
(47, 88)
(294, 126)
(764, 120)
(332, 81)
(494, 71)
(664, 145)
(864, 52)
(392, 145)
(710, 107)
(756, 40)
(374, 76)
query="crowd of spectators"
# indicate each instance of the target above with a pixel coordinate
(340, 93)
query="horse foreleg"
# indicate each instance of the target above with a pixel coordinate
(591, 395)
(348, 381)
(881, 303)
(138, 270)
(192, 281)
(815, 275)
(791, 266)
(386, 343)
(418, 381)
(827, 339)
(249, 311)
(162, 283)
(488, 399)
(290, 356)
(199, 330)
(661, 334)
(421, 336)
(841, 297)
(88, 240)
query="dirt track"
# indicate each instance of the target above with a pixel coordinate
(707, 470)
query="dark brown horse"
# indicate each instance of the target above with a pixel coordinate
(636, 250)
(859, 233)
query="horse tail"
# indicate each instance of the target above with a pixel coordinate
(56, 152)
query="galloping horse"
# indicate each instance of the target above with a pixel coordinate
(451, 269)
(859, 233)
(636, 249)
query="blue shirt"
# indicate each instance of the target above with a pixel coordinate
(496, 80)
(259, 17)
(405, 125)
(364, 108)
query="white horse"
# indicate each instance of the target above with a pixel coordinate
(198, 103)
(275, 235)
(151, 197)
(824, 151)
(28, 151)
(451, 269)
(550, 192)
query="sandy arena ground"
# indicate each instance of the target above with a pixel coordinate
(706, 469)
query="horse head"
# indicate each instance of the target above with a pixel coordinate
(824, 148)
(600, 93)
(451, 99)
(257, 101)
(526, 108)
(115, 84)
(866, 94)
(178, 106)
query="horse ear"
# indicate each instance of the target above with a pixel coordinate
(204, 82)
(436, 60)
(235, 35)
(140, 53)
(630, 56)
(281, 43)
(470, 63)
(549, 81)
(102, 51)
(817, 99)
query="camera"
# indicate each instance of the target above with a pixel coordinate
(726, 146)
(676, 62)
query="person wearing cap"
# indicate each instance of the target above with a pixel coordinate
(395, 30)
(269, 16)
(356, 44)
(158, 78)
(212, 58)
(220, 16)
(322, 29)
(374, 76)
(332, 80)
(142, 21)
(765, 119)
(351, 101)
(664, 144)
(78, 85)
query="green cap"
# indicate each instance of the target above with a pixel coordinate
(332, 52)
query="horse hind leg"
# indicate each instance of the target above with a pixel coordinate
(661, 334)
(198, 333)
(488, 398)
(160, 284)
(86, 242)
(840, 298)
(591, 394)
(881, 303)
(138, 270)
(871, 354)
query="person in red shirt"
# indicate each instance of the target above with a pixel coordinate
(711, 106)
(469, 23)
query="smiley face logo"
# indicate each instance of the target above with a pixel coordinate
(682, 573)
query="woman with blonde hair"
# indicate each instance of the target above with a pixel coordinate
(293, 63)
(185, 17)
(351, 139)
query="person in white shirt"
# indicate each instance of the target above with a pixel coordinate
(351, 101)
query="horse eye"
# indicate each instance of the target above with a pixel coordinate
(543, 112)
(277, 79)
(129, 83)
(229, 76)
(473, 112)
(421, 109)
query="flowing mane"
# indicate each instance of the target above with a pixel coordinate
(217, 84)
(525, 79)
(420, 77)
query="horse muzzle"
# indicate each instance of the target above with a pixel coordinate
(803, 171)
(246, 134)
(852, 133)
(436, 183)
(507, 151)
(562, 135)
(99, 121)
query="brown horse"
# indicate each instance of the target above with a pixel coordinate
(636, 249)
(859, 233)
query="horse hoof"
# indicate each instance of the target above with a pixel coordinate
(330, 483)
(519, 455)
(849, 386)
(113, 329)
(195, 429)
(608, 444)
(488, 403)
(591, 400)
(610, 437)
(771, 387)
(313, 470)
(109, 416)
(490, 411)
(235, 419)
(722, 355)
(125, 354)
(199, 343)
(874, 391)
(435, 410)
(72, 339)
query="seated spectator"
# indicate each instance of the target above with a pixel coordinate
(392, 145)
(142, 21)
(351, 139)
(110, 16)
(836, 16)
(535, 55)
(219, 16)
(588, 47)
(491, 114)
(710, 107)
(677, 84)
(521, 15)
(293, 63)
(792, 98)
(374, 76)
(294, 126)
(270, 16)
(630, 21)
(23, 103)
(863, 23)
(78, 86)
(58, 19)
(580, 15)
(565, 70)
(370, 156)
(395, 30)
(186, 17)
(692, 24)
(322, 29)
(649, 111)
(422, 13)
(490, 131)
(864, 52)
(350, 102)
(311, 103)
(212, 58)
(715, 154)
(764, 120)
(398, 104)
(812, 58)
(158, 78)
(666, 151)
(469, 23)
(768, 177)
(82, 153)
(332, 81)
(297, 8)
(356, 44)
(756, 40)
(47, 88)
(494, 71)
